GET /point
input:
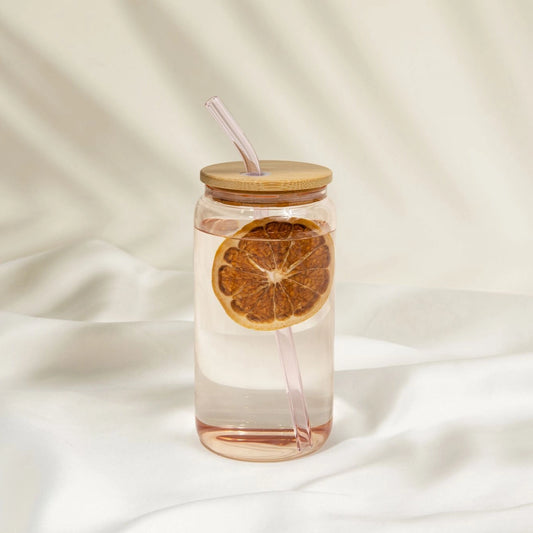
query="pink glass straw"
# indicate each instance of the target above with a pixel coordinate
(284, 337)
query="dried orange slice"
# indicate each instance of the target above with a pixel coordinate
(274, 272)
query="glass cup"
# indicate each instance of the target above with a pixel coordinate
(263, 262)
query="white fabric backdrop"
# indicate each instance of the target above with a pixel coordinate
(424, 112)
(433, 411)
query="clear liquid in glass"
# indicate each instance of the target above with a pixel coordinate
(241, 402)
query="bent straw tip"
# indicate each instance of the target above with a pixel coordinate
(209, 101)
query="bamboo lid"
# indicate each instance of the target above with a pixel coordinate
(279, 176)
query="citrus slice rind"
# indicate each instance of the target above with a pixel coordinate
(274, 272)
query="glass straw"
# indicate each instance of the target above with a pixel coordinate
(284, 337)
(235, 133)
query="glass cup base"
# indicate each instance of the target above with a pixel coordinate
(259, 445)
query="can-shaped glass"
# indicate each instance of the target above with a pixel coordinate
(263, 263)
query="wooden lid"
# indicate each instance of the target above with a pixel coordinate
(279, 176)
